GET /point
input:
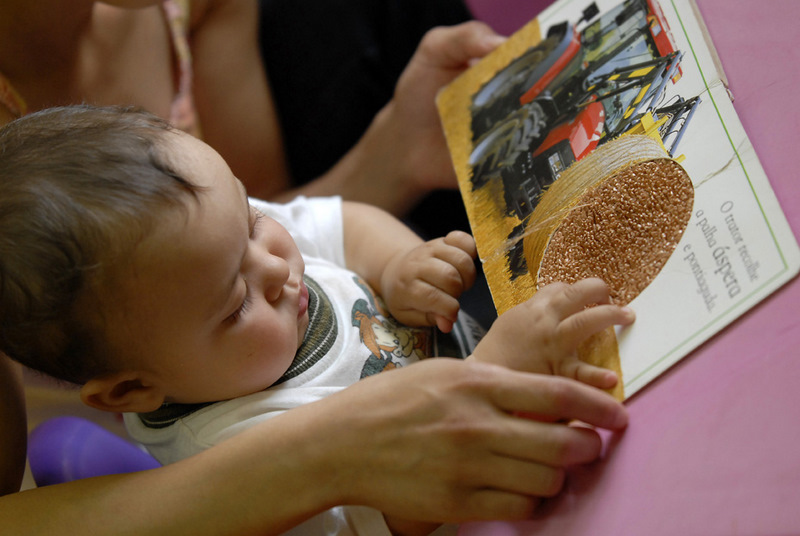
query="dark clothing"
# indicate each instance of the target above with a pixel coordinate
(332, 65)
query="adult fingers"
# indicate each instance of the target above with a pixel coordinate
(491, 504)
(589, 374)
(443, 443)
(555, 398)
(520, 456)
(455, 46)
(512, 477)
(549, 444)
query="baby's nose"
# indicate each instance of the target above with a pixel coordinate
(275, 274)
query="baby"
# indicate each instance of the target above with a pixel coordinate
(133, 264)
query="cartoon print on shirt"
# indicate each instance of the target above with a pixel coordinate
(391, 345)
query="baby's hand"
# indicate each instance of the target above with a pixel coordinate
(542, 334)
(422, 286)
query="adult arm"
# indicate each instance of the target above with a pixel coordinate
(402, 155)
(232, 94)
(434, 441)
(444, 445)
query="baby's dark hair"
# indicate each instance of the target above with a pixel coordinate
(79, 187)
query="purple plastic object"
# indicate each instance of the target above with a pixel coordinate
(62, 449)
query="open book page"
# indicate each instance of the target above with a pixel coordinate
(580, 77)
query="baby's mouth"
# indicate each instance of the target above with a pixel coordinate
(303, 300)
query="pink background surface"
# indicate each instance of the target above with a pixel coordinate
(713, 447)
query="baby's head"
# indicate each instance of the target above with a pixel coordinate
(79, 188)
(132, 263)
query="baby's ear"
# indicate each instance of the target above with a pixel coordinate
(124, 391)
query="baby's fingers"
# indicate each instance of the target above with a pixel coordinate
(570, 299)
(462, 241)
(589, 374)
(449, 276)
(427, 305)
(460, 252)
(445, 325)
(580, 326)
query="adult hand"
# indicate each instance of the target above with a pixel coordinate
(433, 441)
(403, 154)
(443, 54)
(438, 440)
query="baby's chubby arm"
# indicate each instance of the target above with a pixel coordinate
(542, 334)
(419, 281)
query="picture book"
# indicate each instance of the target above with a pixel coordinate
(600, 141)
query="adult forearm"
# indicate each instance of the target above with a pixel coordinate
(261, 482)
(374, 171)
(434, 441)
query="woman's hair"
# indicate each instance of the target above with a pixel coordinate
(80, 187)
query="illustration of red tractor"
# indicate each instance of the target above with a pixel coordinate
(584, 84)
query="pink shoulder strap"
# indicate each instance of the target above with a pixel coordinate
(182, 114)
(10, 99)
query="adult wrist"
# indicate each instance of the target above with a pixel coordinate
(387, 158)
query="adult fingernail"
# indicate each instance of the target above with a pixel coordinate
(621, 419)
(494, 41)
